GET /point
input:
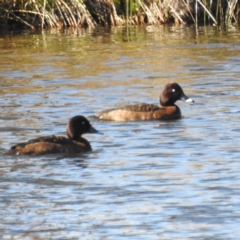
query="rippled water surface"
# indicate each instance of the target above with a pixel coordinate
(143, 180)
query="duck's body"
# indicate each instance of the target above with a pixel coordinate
(143, 111)
(75, 143)
(140, 112)
(51, 145)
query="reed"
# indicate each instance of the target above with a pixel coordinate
(90, 13)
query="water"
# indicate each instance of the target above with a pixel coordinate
(143, 180)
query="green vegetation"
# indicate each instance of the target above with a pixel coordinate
(89, 13)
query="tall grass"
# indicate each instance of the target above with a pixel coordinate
(90, 13)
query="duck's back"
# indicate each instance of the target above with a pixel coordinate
(50, 145)
(141, 107)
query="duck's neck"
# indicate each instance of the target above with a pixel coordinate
(83, 142)
(166, 103)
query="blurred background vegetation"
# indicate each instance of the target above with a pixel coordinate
(90, 13)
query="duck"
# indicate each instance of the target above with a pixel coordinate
(171, 93)
(73, 143)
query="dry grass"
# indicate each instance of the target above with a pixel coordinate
(90, 13)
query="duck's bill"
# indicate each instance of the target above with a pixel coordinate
(187, 99)
(93, 130)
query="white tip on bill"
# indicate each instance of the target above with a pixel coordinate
(190, 100)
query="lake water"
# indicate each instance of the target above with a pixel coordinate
(143, 180)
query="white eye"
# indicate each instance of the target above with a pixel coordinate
(83, 123)
(173, 90)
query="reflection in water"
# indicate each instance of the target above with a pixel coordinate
(143, 180)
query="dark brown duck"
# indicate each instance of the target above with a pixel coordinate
(171, 93)
(75, 143)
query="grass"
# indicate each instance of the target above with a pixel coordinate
(90, 13)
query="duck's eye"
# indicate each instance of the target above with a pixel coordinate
(83, 123)
(173, 90)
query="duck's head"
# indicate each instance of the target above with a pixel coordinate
(77, 126)
(171, 93)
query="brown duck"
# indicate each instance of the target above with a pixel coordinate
(171, 93)
(75, 143)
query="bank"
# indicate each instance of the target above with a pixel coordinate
(90, 13)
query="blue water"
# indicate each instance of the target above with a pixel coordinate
(143, 180)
